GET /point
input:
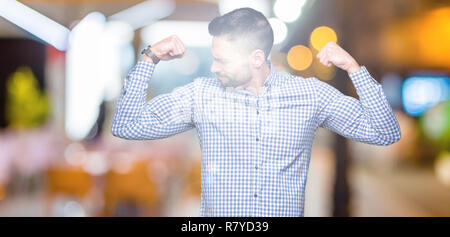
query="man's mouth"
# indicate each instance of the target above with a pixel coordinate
(221, 77)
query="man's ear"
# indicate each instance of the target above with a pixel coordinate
(258, 58)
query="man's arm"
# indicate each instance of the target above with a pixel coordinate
(164, 115)
(369, 119)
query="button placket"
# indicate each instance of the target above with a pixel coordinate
(258, 147)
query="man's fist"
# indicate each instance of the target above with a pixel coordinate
(332, 53)
(168, 48)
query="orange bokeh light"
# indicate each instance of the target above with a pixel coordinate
(299, 57)
(321, 36)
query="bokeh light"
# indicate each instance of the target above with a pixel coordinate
(436, 121)
(442, 168)
(421, 93)
(423, 40)
(288, 10)
(321, 36)
(299, 57)
(433, 37)
(279, 30)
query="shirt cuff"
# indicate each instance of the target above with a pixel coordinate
(144, 67)
(139, 75)
(362, 78)
(143, 70)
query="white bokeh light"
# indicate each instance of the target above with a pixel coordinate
(279, 30)
(84, 84)
(288, 10)
(97, 52)
(422, 93)
(191, 33)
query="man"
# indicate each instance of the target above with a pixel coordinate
(255, 126)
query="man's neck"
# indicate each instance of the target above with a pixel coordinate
(259, 78)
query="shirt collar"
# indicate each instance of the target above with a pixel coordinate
(267, 84)
(272, 76)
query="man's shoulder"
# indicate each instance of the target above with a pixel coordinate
(197, 85)
(206, 82)
(287, 80)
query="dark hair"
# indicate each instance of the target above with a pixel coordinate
(244, 24)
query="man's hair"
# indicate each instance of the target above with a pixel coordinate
(244, 24)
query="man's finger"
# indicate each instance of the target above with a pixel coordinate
(176, 50)
(323, 51)
(181, 44)
(319, 55)
(180, 49)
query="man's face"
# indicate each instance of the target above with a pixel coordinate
(230, 62)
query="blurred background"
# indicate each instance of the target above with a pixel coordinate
(62, 65)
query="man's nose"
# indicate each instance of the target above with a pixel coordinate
(214, 68)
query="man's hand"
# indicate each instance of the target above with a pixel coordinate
(332, 53)
(168, 49)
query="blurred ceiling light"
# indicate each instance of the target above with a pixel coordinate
(321, 36)
(34, 22)
(279, 30)
(84, 85)
(299, 57)
(288, 10)
(144, 13)
(226, 6)
(421, 93)
(119, 31)
(99, 52)
(191, 33)
(117, 56)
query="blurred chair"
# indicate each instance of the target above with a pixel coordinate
(68, 181)
(132, 190)
(2, 192)
(194, 180)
